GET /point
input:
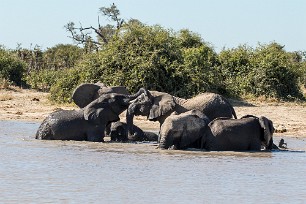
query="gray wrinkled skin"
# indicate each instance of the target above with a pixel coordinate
(249, 133)
(181, 131)
(157, 106)
(87, 123)
(69, 125)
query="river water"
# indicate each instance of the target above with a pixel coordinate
(36, 171)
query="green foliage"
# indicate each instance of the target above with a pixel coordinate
(11, 68)
(139, 56)
(267, 71)
(235, 66)
(61, 90)
(61, 56)
(43, 79)
(199, 71)
(136, 55)
(187, 39)
(274, 73)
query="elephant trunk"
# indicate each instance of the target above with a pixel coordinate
(132, 109)
(129, 119)
(271, 145)
(139, 92)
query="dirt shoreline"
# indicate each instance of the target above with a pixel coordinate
(29, 105)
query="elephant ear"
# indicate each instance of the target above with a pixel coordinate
(268, 128)
(84, 94)
(162, 104)
(103, 109)
(93, 110)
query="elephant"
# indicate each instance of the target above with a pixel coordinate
(87, 123)
(157, 106)
(181, 131)
(118, 132)
(87, 92)
(248, 133)
(193, 130)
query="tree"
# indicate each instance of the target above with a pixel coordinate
(11, 68)
(82, 35)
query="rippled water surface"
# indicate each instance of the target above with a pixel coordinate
(35, 171)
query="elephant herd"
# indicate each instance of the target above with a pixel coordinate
(207, 121)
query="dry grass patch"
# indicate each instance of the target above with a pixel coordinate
(6, 97)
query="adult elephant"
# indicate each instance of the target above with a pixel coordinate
(249, 133)
(157, 106)
(181, 131)
(87, 123)
(87, 92)
(118, 132)
(191, 129)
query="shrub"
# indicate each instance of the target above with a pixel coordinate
(274, 73)
(62, 89)
(42, 80)
(11, 68)
(199, 71)
(267, 71)
(62, 56)
(235, 67)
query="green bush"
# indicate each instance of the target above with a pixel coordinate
(139, 56)
(180, 63)
(267, 71)
(199, 71)
(275, 73)
(62, 89)
(62, 56)
(11, 68)
(43, 79)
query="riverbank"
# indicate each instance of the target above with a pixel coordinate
(29, 105)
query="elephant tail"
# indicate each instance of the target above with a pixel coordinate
(232, 108)
(44, 132)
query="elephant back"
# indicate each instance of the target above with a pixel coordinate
(87, 92)
(211, 104)
(182, 129)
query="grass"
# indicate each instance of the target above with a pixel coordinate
(6, 97)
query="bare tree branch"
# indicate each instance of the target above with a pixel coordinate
(82, 36)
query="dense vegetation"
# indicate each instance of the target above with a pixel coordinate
(137, 55)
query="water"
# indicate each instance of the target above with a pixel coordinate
(36, 171)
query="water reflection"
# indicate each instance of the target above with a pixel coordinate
(35, 171)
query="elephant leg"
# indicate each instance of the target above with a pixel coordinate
(96, 135)
(108, 129)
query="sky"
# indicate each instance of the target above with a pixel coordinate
(222, 23)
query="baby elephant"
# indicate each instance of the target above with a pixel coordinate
(118, 132)
(249, 133)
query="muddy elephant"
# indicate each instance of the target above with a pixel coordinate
(181, 131)
(192, 130)
(157, 106)
(87, 123)
(87, 92)
(118, 132)
(250, 133)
